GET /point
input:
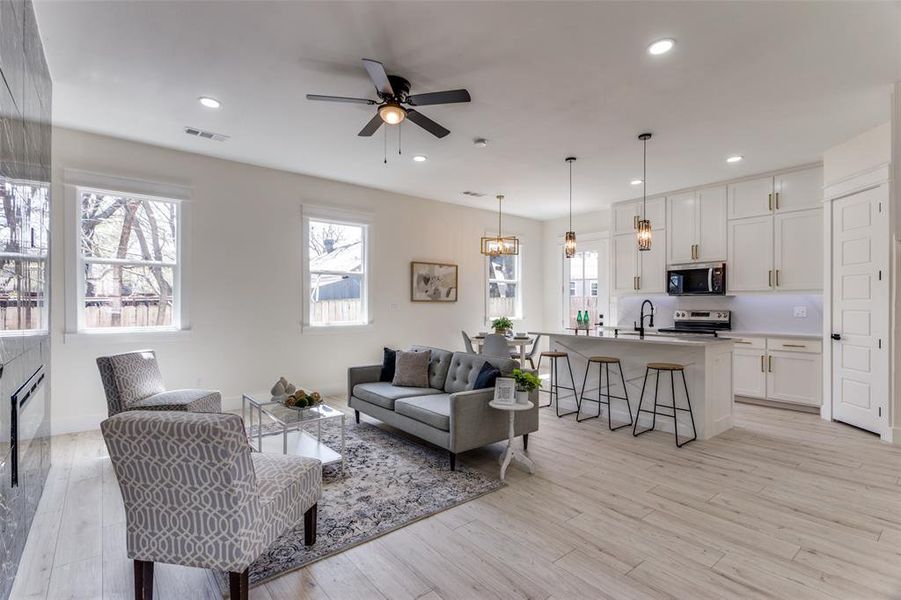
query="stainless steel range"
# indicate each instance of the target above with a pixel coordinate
(696, 322)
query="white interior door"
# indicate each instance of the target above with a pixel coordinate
(860, 309)
(586, 282)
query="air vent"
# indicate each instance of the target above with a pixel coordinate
(207, 135)
(473, 194)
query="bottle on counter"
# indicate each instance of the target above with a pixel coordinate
(579, 320)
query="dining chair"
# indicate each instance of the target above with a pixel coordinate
(467, 342)
(495, 345)
(514, 353)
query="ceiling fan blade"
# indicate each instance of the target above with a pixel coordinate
(340, 99)
(427, 124)
(448, 97)
(372, 126)
(378, 76)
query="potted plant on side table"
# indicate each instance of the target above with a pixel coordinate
(502, 325)
(526, 382)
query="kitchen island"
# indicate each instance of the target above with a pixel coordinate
(708, 373)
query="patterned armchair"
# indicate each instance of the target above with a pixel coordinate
(195, 494)
(132, 381)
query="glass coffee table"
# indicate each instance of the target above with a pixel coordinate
(293, 426)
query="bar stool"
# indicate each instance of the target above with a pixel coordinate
(603, 363)
(672, 368)
(555, 387)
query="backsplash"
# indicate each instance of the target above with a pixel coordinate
(766, 313)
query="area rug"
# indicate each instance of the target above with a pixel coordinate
(389, 482)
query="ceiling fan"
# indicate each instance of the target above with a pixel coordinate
(394, 92)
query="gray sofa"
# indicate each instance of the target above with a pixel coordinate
(448, 413)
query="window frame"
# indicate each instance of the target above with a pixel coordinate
(42, 258)
(338, 217)
(518, 281)
(78, 182)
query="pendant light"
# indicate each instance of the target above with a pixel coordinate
(644, 225)
(569, 246)
(500, 245)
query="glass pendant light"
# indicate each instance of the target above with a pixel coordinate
(499, 245)
(644, 225)
(569, 246)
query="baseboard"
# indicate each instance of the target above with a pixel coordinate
(815, 410)
(60, 426)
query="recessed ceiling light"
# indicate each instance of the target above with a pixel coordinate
(209, 102)
(420, 158)
(635, 182)
(734, 159)
(661, 46)
(480, 143)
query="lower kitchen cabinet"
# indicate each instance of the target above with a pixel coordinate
(778, 369)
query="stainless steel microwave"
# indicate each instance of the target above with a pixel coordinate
(707, 279)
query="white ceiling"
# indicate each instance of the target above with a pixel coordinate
(777, 82)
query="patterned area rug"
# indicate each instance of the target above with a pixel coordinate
(389, 482)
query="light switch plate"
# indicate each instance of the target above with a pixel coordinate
(801, 312)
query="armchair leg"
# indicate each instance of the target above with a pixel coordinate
(239, 584)
(525, 441)
(309, 525)
(357, 416)
(143, 580)
(453, 461)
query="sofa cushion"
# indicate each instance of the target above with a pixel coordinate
(439, 363)
(433, 410)
(384, 394)
(411, 369)
(200, 401)
(137, 376)
(464, 369)
(388, 362)
(487, 376)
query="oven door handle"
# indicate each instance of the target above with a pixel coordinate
(710, 279)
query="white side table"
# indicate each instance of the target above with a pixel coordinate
(513, 453)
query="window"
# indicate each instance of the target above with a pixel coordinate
(23, 255)
(504, 286)
(337, 260)
(128, 271)
(586, 274)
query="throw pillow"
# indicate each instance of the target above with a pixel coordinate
(487, 377)
(411, 369)
(388, 365)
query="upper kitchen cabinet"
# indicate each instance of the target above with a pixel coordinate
(800, 190)
(751, 198)
(697, 226)
(634, 271)
(750, 267)
(625, 215)
(798, 263)
(797, 190)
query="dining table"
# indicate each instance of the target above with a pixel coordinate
(519, 343)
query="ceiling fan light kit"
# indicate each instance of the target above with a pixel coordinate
(395, 98)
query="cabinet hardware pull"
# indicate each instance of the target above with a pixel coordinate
(639, 282)
(635, 222)
(777, 277)
(770, 198)
(770, 277)
(741, 342)
(777, 200)
(770, 361)
(634, 282)
(762, 369)
(794, 346)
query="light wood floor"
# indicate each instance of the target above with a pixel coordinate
(783, 505)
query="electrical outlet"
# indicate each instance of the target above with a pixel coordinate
(800, 312)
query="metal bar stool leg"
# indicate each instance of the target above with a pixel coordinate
(625, 396)
(635, 431)
(573, 388)
(694, 433)
(579, 418)
(548, 391)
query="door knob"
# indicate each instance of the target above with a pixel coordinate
(836, 336)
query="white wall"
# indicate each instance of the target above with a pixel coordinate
(246, 332)
(863, 152)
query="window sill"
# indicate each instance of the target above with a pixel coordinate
(128, 336)
(335, 329)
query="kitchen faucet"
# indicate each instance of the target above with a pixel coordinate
(639, 327)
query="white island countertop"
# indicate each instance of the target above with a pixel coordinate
(631, 337)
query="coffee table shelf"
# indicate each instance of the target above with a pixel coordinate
(290, 432)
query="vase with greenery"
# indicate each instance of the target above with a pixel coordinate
(502, 325)
(526, 382)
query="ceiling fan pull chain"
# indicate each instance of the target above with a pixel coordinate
(400, 130)
(386, 145)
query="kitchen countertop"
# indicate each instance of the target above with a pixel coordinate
(629, 337)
